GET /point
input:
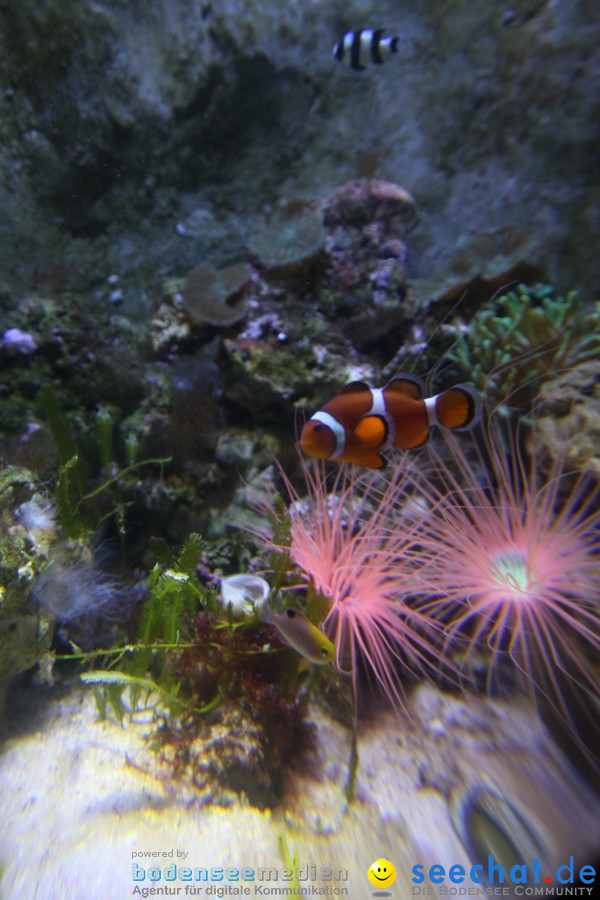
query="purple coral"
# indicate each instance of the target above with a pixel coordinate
(16, 341)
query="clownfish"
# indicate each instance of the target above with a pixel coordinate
(299, 632)
(366, 45)
(360, 422)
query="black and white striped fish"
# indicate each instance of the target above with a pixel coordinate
(366, 45)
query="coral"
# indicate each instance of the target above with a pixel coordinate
(366, 284)
(510, 563)
(169, 325)
(16, 341)
(214, 297)
(480, 266)
(37, 514)
(289, 237)
(523, 338)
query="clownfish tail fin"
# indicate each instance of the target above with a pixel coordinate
(458, 407)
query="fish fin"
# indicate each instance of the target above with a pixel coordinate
(458, 407)
(394, 43)
(408, 385)
(418, 442)
(267, 614)
(372, 432)
(370, 460)
(354, 387)
(304, 664)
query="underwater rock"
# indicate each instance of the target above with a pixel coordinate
(359, 296)
(267, 380)
(370, 200)
(105, 144)
(231, 759)
(365, 287)
(567, 419)
(169, 326)
(252, 497)
(482, 265)
(235, 449)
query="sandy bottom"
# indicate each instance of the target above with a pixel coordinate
(83, 800)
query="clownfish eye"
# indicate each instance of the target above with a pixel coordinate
(318, 428)
(291, 613)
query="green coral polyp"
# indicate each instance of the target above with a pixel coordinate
(524, 337)
(510, 570)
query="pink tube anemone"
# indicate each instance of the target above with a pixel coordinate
(353, 538)
(510, 559)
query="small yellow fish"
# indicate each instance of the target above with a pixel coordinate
(300, 633)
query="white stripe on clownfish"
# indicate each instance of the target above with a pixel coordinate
(430, 409)
(379, 408)
(339, 432)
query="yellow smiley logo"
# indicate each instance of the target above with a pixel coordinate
(382, 873)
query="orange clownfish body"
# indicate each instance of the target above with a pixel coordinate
(360, 422)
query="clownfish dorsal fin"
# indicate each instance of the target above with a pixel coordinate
(409, 385)
(355, 387)
(372, 432)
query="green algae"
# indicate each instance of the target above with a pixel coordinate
(25, 633)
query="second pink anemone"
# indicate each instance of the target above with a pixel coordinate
(511, 560)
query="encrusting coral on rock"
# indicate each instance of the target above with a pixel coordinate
(214, 297)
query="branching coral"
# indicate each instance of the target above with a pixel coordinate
(526, 336)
